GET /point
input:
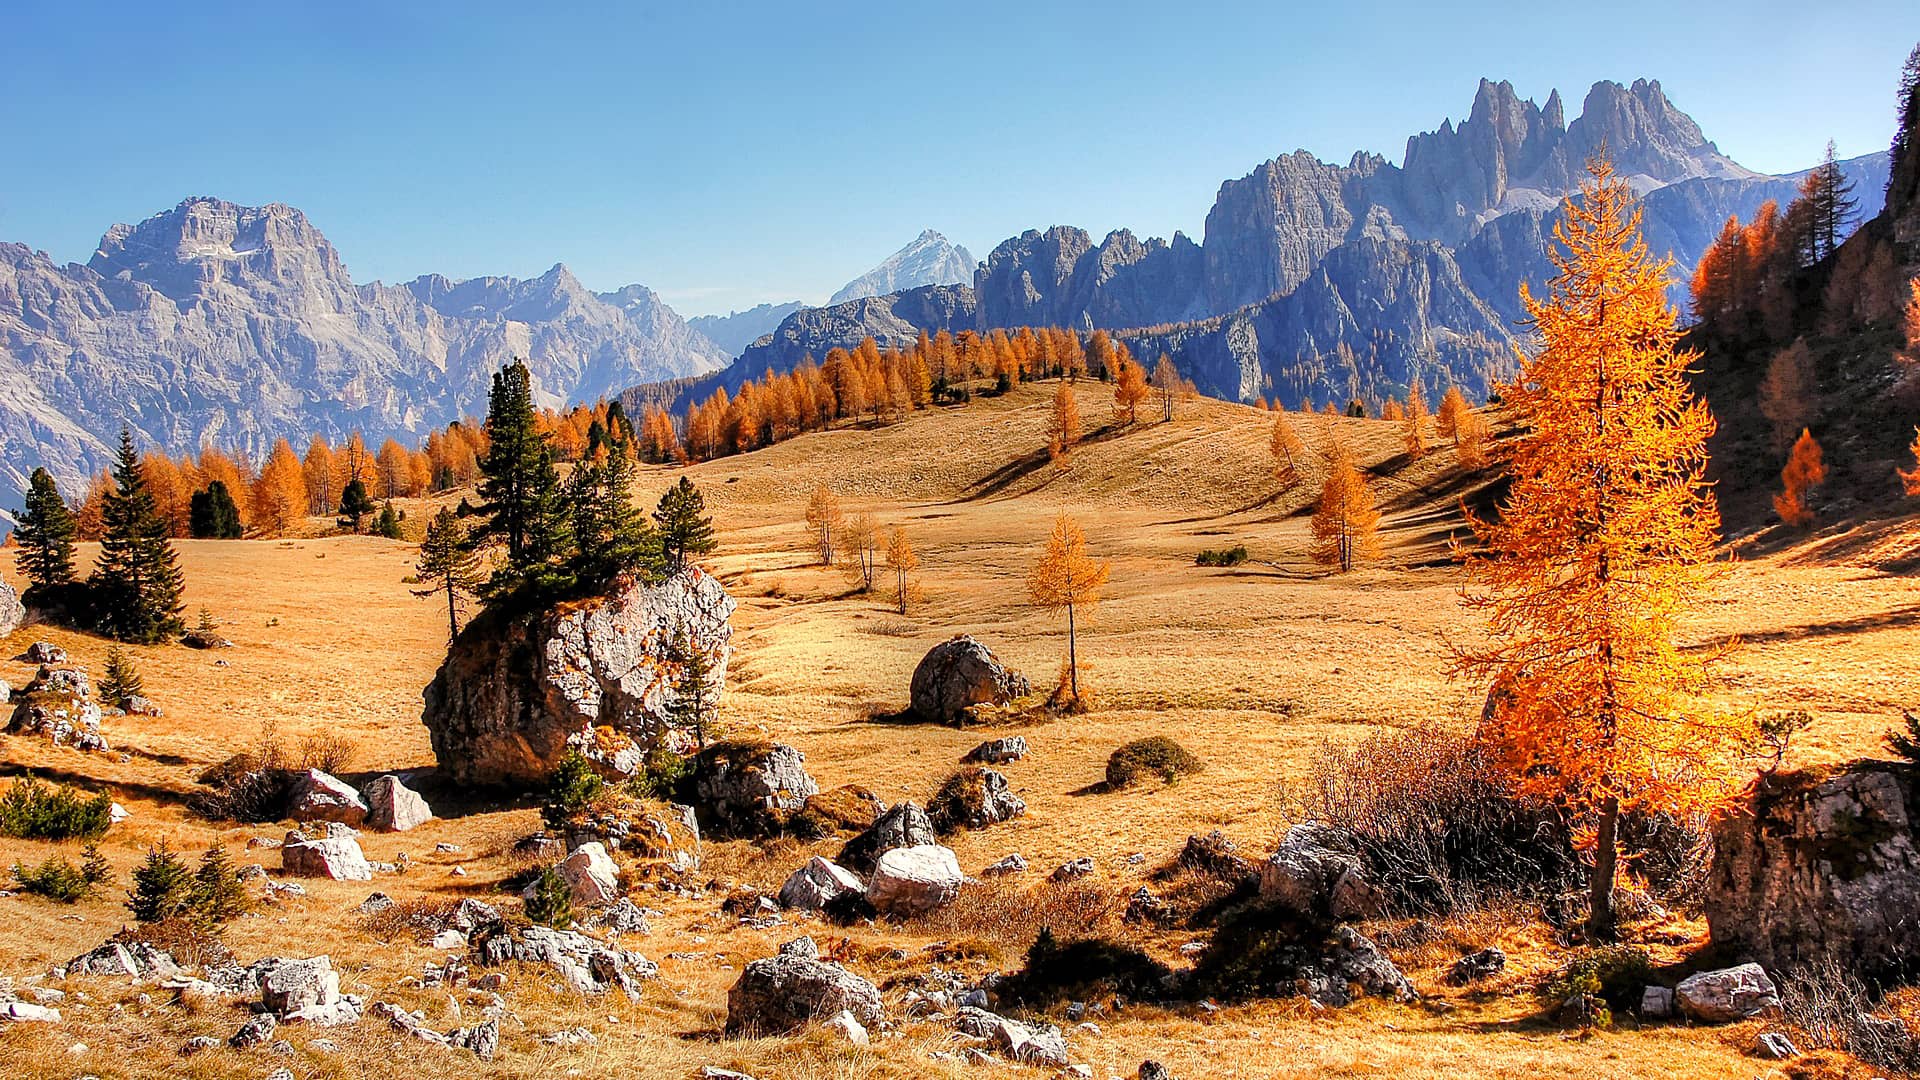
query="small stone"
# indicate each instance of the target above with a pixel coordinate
(1656, 1002)
(1072, 869)
(449, 941)
(1153, 1070)
(254, 1031)
(199, 1043)
(1775, 1047)
(1015, 863)
(847, 1027)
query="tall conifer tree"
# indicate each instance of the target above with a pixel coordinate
(45, 535)
(137, 582)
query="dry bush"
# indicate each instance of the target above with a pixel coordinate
(1064, 700)
(1011, 917)
(1832, 1009)
(764, 865)
(894, 628)
(419, 919)
(189, 941)
(329, 752)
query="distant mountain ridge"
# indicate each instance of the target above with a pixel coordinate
(1316, 281)
(736, 330)
(929, 260)
(215, 323)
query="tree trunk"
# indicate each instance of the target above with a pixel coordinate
(453, 615)
(1073, 660)
(1600, 922)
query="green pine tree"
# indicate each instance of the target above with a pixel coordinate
(163, 887)
(217, 893)
(551, 903)
(212, 515)
(694, 694)
(121, 679)
(355, 504)
(685, 530)
(136, 583)
(46, 535)
(611, 536)
(94, 868)
(523, 505)
(388, 523)
(448, 565)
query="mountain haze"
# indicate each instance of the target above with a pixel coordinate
(736, 330)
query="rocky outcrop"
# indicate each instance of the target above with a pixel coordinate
(336, 858)
(516, 691)
(585, 964)
(973, 798)
(1029, 1044)
(1315, 875)
(892, 321)
(998, 751)
(903, 825)
(591, 876)
(13, 614)
(736, 330)
(57, 705)
(750, 789)
(818, 884)
(1814, 867)
(915, 880)
(1726, 995)
(242, 322)
(317, 796)
(782, 993)
(957, 675)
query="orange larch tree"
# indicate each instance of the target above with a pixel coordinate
(824, 519)
(902, 562)
(1786, 392)
(1910, 481)
(1067, 579)
(280, 495)
(1063, 422)
(1346, 524)
(1604, 540)
(1129, 390)
(1413, 423)
(1805, 471)
(318, 470)
(1453, 405)
(1285, 446)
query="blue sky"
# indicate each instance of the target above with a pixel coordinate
(728, 153)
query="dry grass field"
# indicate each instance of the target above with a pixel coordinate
(1251, 667)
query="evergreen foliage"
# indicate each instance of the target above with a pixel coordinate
(217, 893)
(45, 535)
(32, 810)
(552, 901)
(448, 565)
(163, 887)
(685, 529)
(355, 504)
(523, 504)
(694, 694)
(136, 584)
(212, 515)
(121, 680)
(387, 524)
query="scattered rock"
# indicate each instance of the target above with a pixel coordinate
(44, 652)
(204, 639)
(335, 858)
(1775, 1047)
(254, 1032)
(471, 915)
(57, 705)
(587, 965)
(13, 614)
(973, 798)
(779, 994)
(1216, 855)
(1026, 1043)
(998, 751)
(375, 903)
(392, 806)
(21, 1012)
(137, 960)
(845, 1026)
(817, 884)
(317, 796)
(483, 1039)
(1015, 863)
(1153, 1070)
(750, 789)
(1072, 869)
(1656, 1002)
(710, 1072)
(449, 941)
(957, 675)
(1814, 867)
(624, 916)
(288, 986)
(591, 875)
(1315, 875)
(1475, 966)
(1726, 995)
(571, 1037)
(1144, 907)
(140, 706)
(914, 880)
(903, 825)
(197, 1044)
(515, 693)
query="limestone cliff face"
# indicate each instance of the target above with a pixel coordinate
(515, 692)
(214, 323)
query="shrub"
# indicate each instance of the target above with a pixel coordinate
(217, 892)
(1611, 973)
(31, 810)
(121, 679)
(662, 774)
(329, 752)
(1155, 755)
(1232, 556)
(1083, 970)
(571, 788)
(552, 901)
(163, 887)
(1833, 1010)
(1256, 952)
(244, 788)
(1012, 917)
(56, 879)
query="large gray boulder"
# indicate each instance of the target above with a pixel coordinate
(392, 806)
(914, 880)
(782, 993)
(13, 614)
(57, 705)
(1813, 867)
(291, 986)
(818, 884)
(1315, 874)
(902, 825)
(516, 691)
(958, 674)
(317, 796)
(1726, 995)
(750, 789)
(336, 858)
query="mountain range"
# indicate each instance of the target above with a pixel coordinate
(1316, 280)
(213, 323)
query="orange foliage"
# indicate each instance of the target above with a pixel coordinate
(280, 495)
(1129, 390)
(1346, 523)
(1413, 421)
(1805, 470)
(1067, 579)
(1063, 422)
(1453, 405)
(1910, 481)
(1285, 446)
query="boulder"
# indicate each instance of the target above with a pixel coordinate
(336, 858)
(1813, 867)
(903, 825)
(750, 789)
(997, 751)
(1029, 1044)
(135, 959)
(1015, 863)
(290, 986)
(1475, 966)
(316, 796)
(1656, 1002)
(957, 675)
(973, 798)
(57, 705)
(1215, 855)
(914, 880)
(782, 993)
(1315, 875)
(818, 884)
(199, 638)
(1072, 869)
(518, 689)
(45, 652)
(588, 966)
(254, 1032)
(1726, 995)
(846, 1027)
(1775, 1047)
(591, 875)
(392, 806)
(13, 614)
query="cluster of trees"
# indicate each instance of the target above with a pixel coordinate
(540, 538)
(134, 591)
(853, 542)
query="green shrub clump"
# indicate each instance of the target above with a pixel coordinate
(1155, 755)
(61, 881)
(31, 810)
(164, 888)
(551, 903)
(1598, 981)
(1232, 556)
(573, 787)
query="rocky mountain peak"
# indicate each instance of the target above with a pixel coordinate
(930, 259)
(204, 241)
